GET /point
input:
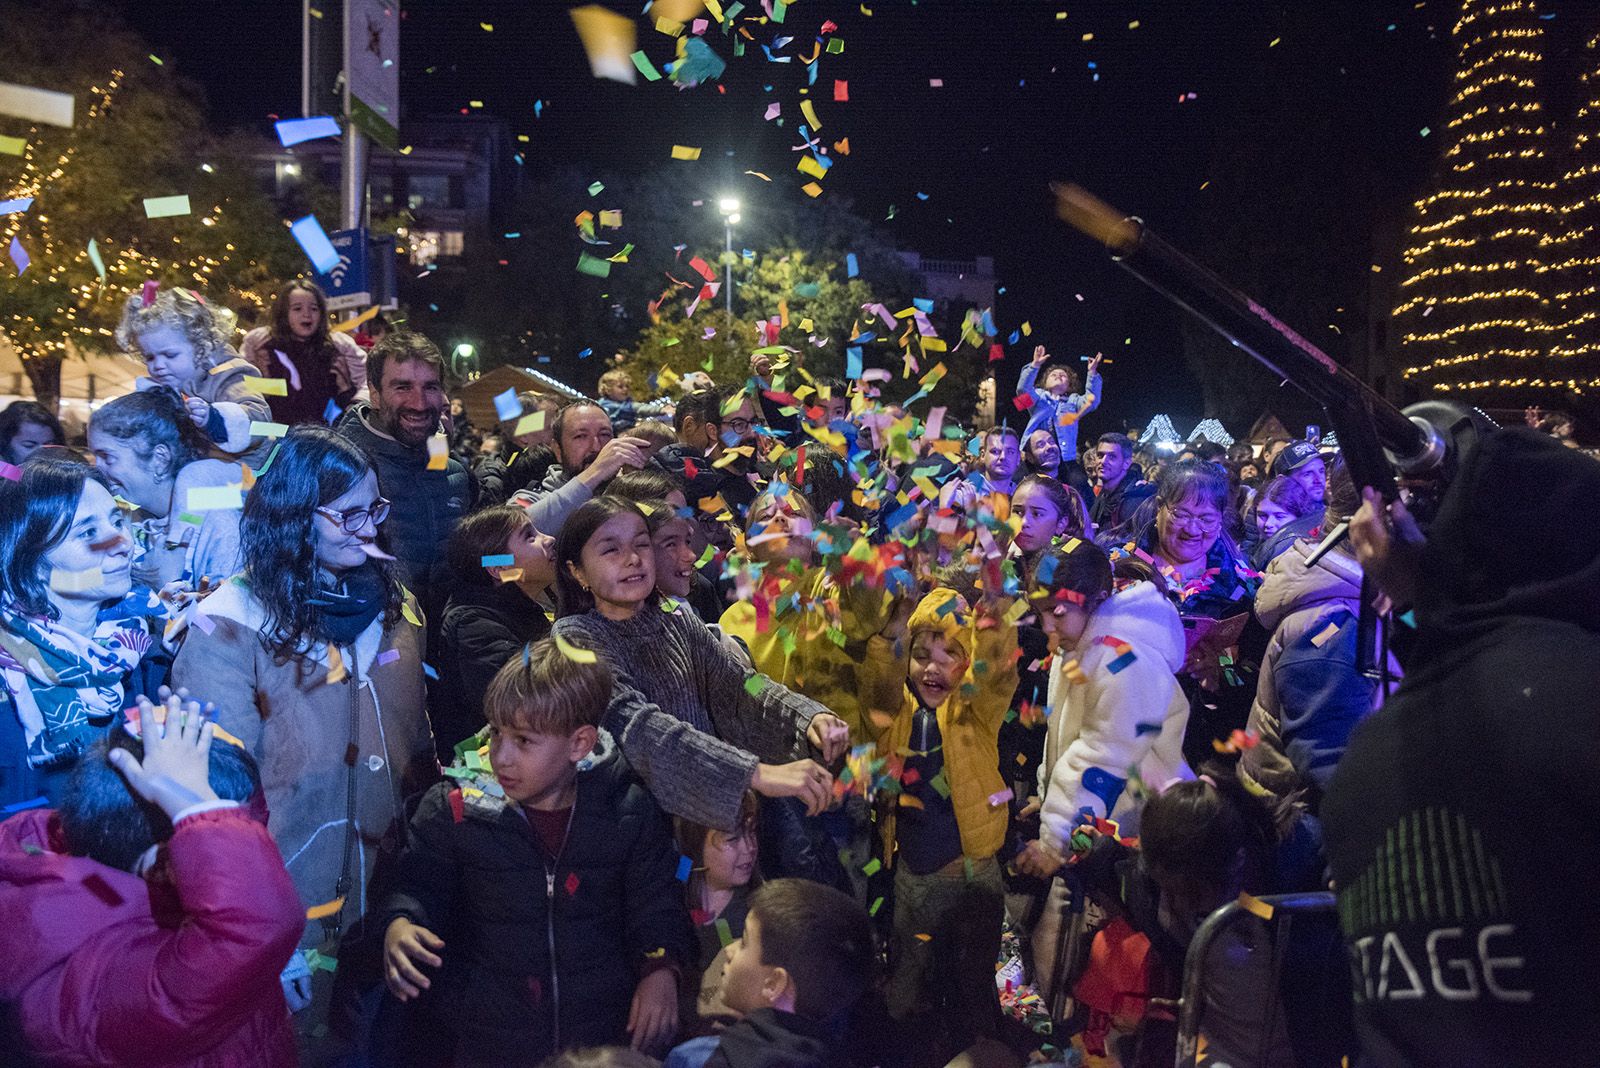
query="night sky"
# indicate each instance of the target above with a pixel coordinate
(1019, 106)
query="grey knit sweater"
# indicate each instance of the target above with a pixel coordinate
(683, 712)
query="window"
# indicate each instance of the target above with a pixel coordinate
(429, 245)
(428, 191)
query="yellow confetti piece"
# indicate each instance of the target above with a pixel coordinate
(267, 387)
(438, 453)
(810, 113)
(336, 668)
(685, 152)
(811, 189)
(1255, 906)
(329, 908)
(1027, 329)
(573, 653)
(75, 581)
(809, 165)
(531, 423)
(13, 146)
(611, 218)
(410, 614)
(259, 429)
(351, 324)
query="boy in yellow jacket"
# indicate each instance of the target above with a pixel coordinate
(955, 672)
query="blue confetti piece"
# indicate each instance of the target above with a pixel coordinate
(294, 131)
(22, 806)
(852, 367)
(1142, 729)
(585, 354)
(507, 406)
(851, 266)
(1122, 662)
(1016, 336)
(318, 249)
(427, 669)
(331, 413)
(9, 207)
(685, 866)
(922, 196)
(1409, 618)
(923, 305)
(498, 560)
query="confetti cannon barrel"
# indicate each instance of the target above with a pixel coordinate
(1378, 439)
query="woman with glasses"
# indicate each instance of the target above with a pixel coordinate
(1215, 590)
(313, 656)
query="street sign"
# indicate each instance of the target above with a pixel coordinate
(346, 283)
(372, 68)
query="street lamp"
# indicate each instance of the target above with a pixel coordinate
(729, 207)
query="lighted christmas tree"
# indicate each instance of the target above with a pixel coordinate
(1574, 255)
(1471, 317)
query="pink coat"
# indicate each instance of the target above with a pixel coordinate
(105, 968)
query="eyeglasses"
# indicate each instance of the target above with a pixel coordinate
(738, 426)
(354, 519)
(1206, 523)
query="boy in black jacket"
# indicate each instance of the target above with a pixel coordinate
(545, 891)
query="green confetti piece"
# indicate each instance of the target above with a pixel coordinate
(876, 905)
(647, 68)
(190, 518)
(14, 146)
(593, 265)
(94, 258)
(966, 866)
(724, 933)
(754, 685)
(941, 783)
(871, 868)
(835, 46)
(271, 456)
(596, 188)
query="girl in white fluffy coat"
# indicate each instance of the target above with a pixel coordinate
(1115, 713)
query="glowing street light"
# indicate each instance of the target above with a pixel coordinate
(729, 207)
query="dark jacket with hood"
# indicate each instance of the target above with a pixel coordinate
(770, 1038)
(483, 627)
(427, 504)
(543, 953)
(1461, 822)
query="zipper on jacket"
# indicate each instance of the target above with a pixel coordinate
(550, 925)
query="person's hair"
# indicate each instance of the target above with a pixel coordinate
(1196, 479)
(1000, 430)
(1074, 380)
(1085, 570)
(704, 405)
(150, 417)
(601, 1057)
(1197, 828)
(545, 691)
(692, 838)
(102, 819)
(280, 311)
(1028, 454)
(643, 484)
(1241, 452)
(1342, 499)
(613, 378)
(571, 598)
(788, 499)
(481, 534)
(822, 938)
(559, 424)
(655, 431)
(182, 310)
(1283, 491)
(401, 346)
(1068, 505)
(1111, 437)
(36, 511)
(278, 538)
(19, 412)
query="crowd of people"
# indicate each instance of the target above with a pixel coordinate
(732, 727)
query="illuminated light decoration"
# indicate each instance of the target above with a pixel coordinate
(1574, 253)
(1213, 431)
(1160, 432)
(1477, 301)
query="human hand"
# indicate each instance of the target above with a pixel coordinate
(175, 772)
(653, 1016)
(805, 779)
(1393, 562)
(1038, 860)
(1039, 355)
(199, 409)
(830, 734)
(1532, 414)
(1031, 809)
(614, 456)
(405, 946)
(1094, 367)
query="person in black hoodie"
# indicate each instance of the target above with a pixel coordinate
(804, 960)
(503, 569)
(592, 960)
(1460, 825)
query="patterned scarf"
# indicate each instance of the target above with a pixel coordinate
(64, 686)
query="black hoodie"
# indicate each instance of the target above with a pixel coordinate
(769, 1038)
(1463, 826)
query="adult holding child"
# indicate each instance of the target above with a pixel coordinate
(1057, 406)
(323, 371)
(314, 657)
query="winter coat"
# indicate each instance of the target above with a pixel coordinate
(234, 406)
(1112, 509)
(483, 628)
(1057, 414)
(104, 968)
(1126, 719)
(969, 726)
(203, 544)
(1310, 695)
(295, 719)
(771, 1038)
(557, 496)
(349, 365)
(791, 644)
(1460, 824)
(427, 505)
(543, 953)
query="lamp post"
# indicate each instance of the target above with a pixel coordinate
(729, 207)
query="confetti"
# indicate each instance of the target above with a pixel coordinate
(267, 387)
(507, 406)
(685, 152)
(500, 560)
(438, 453)
(13, 146)
(531, 423)
(19, 256)
(317, 912)
(318, 249)
(168, 207)
(608, 40)
(574, 653)
(295, 131)
(36, 105)
(10, 207)
(259, 429)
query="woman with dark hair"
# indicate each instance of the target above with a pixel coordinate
(187, 524)
(1215, 588)
(701, 728)
(314, 658)
(325, 371)
(1278, 503)
(495, 610)
(25, 428)
(64, 553)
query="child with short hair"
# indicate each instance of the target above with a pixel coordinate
(616, 399)
(955, 671)
(795, 974)
(596, 956)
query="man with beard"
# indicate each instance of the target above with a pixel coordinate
(1122, 486)
(404, 377)
(587, 457)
